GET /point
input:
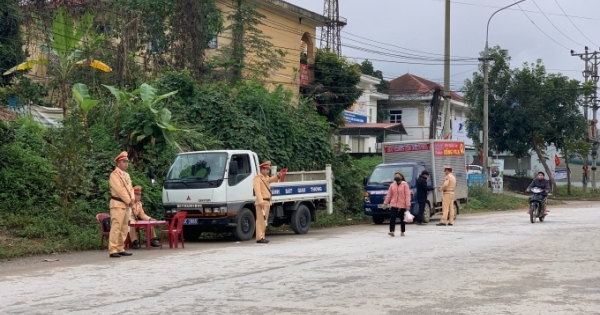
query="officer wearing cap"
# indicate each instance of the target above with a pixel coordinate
(121, 201)
(448, 199)
(422, 191)
(137, 213)
(262, 189)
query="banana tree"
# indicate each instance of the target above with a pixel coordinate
(64, 52)
(161, 118)
(85, 103)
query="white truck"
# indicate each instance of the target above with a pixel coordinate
(411, 158)
(215, 189)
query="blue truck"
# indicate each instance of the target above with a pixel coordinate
(411, 158)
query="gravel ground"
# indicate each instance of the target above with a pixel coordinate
(488, 263)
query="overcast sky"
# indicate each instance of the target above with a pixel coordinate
(418, 25)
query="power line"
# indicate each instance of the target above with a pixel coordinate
(511, 9)
(405, 48)
(541, 29)
(547, 18)
(568, 17)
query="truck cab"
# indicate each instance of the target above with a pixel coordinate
(378, 183)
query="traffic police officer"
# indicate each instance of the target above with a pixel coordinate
(448, 199)
(121, 201)
(262, 189)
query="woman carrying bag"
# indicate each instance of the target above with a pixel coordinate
(398, 197)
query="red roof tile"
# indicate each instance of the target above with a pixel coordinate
(412, 84)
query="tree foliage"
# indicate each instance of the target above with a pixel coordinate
(529, 108)
(335, 85)
(174, 34)
(11, 39)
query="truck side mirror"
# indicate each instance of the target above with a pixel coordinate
(233, 168)
(365, 180)
(151, 175)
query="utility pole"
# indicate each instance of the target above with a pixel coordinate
(486, 59)
(447, 129)
(594, 121)
(486, 167)
(591, 70)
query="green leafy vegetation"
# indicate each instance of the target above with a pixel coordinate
(11, 38)
(335, 86)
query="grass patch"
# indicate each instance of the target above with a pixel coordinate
(22, 235)
(576, 193)
(481, 200)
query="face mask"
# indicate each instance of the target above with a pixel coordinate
(397, 179)
(540, 177)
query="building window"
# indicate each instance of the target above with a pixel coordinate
(213, 44)
(439, 119)
(396, 116)
(370, 115)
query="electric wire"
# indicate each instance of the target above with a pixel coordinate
(547, 18)
(568, 17)
(541, 29)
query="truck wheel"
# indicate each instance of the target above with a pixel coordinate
(378, 219)
(456, 208)
(427, 213)
(301, 220)
(246, 224)
(191, 234)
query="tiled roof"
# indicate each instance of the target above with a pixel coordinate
(412, 84)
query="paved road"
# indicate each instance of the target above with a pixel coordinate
(494, 263)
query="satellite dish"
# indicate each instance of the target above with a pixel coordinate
(470, 159)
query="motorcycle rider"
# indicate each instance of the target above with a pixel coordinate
(543, 183)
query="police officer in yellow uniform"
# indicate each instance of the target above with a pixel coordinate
(262, 190)
(448, 199)
(137, 213)
(121, 201)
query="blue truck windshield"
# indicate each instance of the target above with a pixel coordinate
(198, 167)
(384, 174)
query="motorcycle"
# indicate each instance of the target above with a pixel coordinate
(536, 205)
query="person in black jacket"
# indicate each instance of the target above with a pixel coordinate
(542, 183)
(422, 190)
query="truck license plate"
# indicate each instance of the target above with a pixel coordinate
(190, 222)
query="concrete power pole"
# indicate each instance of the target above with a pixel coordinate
(590, 71)
(594, 123)
(447, 130)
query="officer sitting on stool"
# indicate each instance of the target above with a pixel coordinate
(137, 213)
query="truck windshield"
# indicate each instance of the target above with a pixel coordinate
(198, 167)
(385, 174)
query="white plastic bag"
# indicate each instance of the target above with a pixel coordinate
(408, 217)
